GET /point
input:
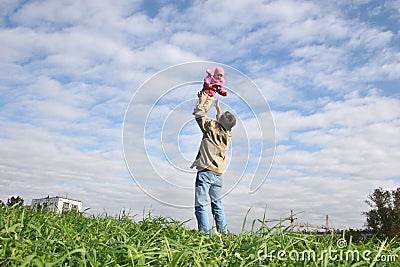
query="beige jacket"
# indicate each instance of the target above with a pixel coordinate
(213, 147)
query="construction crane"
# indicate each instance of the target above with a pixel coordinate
(307, 225)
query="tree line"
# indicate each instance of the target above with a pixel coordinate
(384, 217)
(13, 201)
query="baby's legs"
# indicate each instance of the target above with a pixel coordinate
(207, 103)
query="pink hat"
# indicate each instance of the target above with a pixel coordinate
(219, 70)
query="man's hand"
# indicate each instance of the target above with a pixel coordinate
(202, 98)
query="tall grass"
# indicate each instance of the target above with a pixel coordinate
(38, 238)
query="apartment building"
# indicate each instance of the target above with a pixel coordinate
(56, 204)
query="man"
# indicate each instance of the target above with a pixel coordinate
(210, 164)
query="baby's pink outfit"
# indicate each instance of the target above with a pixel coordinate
(217, 86)
(211, 86)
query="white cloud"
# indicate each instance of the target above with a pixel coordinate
(353, 138)
(395, 5)
(51, 15)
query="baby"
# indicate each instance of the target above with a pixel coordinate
(213, 83)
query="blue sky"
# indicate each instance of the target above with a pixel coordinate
(328, 71)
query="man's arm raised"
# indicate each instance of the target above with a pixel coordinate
(200, 114)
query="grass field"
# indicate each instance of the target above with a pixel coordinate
(38, 238)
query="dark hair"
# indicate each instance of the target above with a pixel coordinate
(227, 120)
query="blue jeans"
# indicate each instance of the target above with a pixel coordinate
(209, 184)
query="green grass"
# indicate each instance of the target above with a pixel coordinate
(38, 238)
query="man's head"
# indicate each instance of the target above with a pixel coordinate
(227, 120)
